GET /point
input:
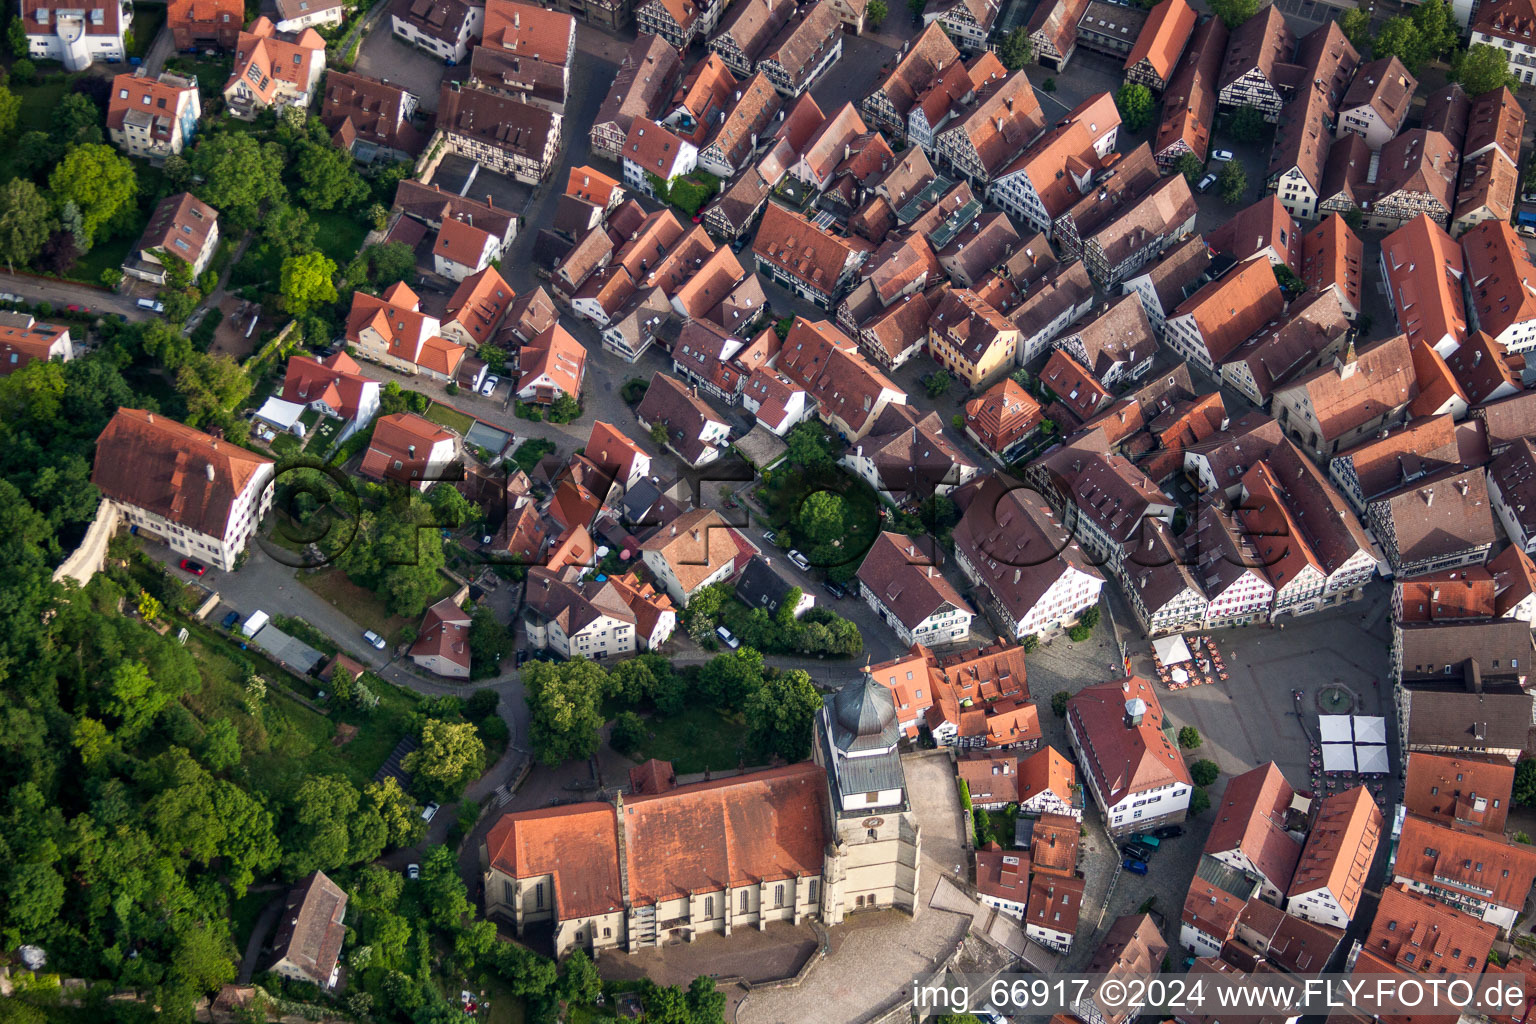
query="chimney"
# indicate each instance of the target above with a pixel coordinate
(1016, 574)
(410, 450)
(209, 470)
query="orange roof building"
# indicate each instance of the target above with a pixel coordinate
(1333, 867)
(153, 117)
(203, 496)
(1465, 791)
(23, 340)
(1002, 879)
(1003, 419)
(335, 386)
(410, 450)
(442, 646)
(476, 308)
(1422, 268)
(273, 68)
(1251, 832)
(1465, 593)
(1209, 325)
(1501, 278)
(1483, 875)
(1160, 45)
(1137, 777)
(1055, 901)
(1048, 785)
(551, 365)
(197, 24)
(1053, 845)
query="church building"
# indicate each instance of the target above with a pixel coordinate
(820, 839)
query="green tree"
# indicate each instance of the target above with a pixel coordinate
(779, 715)
(241, 176)
(579, 982)
(25, 221)
(1525, 783)
(1482, 68)
(451, 755)
(389, 263)
(1233, 182)
(402, 820)
(489, 642)
(16, 35)
(442, 890)
(308, 281)
(565, 708)
(10, 111)
(1437, 28)
(1059, 701)
(1190, 166)
(211, 385)
(320, 819)
(937, 382)
(288, 230)
(706, 1003)
(665, 1005)
(1355, 23)
(76, 119)
(450, 506)
(1134, 101)
(1199, 801)
(981, 824)
(134, 699)
(876, 13)
(1204, 772)
(99, 182)
(564, 409)
(1016, 50)
(329, 178)
(727, 680)
(1234, 12)
(220, 749)
(1401, 38)
(1249, 125)
(165, 343)
(628, 732)
(822, 517)
(659, 434)
(1189, 737)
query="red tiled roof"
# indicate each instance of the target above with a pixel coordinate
(1163, 37)
(444, 634)
(1251, 821)
(1340, 848)
(1466, 790)
(529, 31)
(1126, 759)
(577, 844)
(479, 303)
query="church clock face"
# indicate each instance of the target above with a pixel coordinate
(873, 822)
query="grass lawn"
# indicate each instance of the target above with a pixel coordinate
(361, 606)
(530, 452)
(109, 253)
(450, 418)
(211, 73)
(699, 739)
(147, 20)
(506, 1008)
(321, 438)
(341, 234)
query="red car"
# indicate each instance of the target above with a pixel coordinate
(195, 568)
(74, 309)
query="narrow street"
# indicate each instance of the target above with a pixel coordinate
(66, 293)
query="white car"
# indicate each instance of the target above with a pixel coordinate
(728, 637)
(1223, 155)
(490, 384)
(413, 871)
(374, 639)
(800, 560)
(429, 812)
(1206, 183)
(152, 305)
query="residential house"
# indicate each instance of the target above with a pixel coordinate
(693, 551)
(1051, 303)
(1136, 775)
(1053, 31)
(1160, 44)
(1331, 260)
(1206, 328)
(1059, 168)
(182, 226)
(1501, 284)
(892, 99)
(983, 140)
(408, 449)
(1036, 578)
(804, 257)
(538, 40)
(1252, 832)
(76, 36)
(1264, 228)
(1461, 686)
(1055, 903)
(1423, 270)
(653, 153)
(297, 15)
(1331, 875)
(476, 308)
(967, 22)
(1421, 934)
(1230, 572)
(442, 645)
(576, 617)
(1048, 785)
(433, 207)
(1293, 944)
(1133, 175)
(1485, 190)
(1416, 175)
(1377, 102)
(504, 135)
(1484, 876)
(647, 76)
(1335, 408)
(154, 117)
(1468, 792)
(759, 586)
(461, 249)
(1511, 483)
(679, 22)
(370, 119)
(972, 340)
(1436, 522)
(203, 497)
(747, 30)
(614, 452)
(899, 578)
(1507, 25)
(907, 459)
(443, 28)
(1514, 576)
(803, 50)
(1109, 28)
(1002, 880)
(1004, 420)
(310, 932)
(551, 366)
(1189, 103)
(1053, 846)
(1116, 342)
(392, 329)
(1158, 582)
(1133, 948)
(1160, 217)
(694, 431)
(1313, 334)
(24, 340)
(203, 24)
(1216, 898)
(1254, 73)
(749, 119)
(1163, 285)
(333, 386)
(274, 69)
(1298, 160)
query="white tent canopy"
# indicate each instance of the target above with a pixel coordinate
(282, 415)
(1370, 729)
(1171, 650)
(1338, 757)
(1335, 728)
(1372, 758)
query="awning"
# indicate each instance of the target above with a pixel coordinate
(1338, 757)
(1370, 729)
(1335, 728)
(282, 415)
(1372, 758)
(1171, 650)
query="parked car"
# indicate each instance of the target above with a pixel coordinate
(490, 384)
(228, 622)
(803, 563)
(374, 639)
(727, 637)
(1169, 831)
(1525, 197)
(195, 568)
(413, 871)
(1206, 183)
(1135, 867)
(153, 305)
(1147, 840)
(1136, 850)
(837, 590)
(1223, 155)
(429, 812)
(771, 537)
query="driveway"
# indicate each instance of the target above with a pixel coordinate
(385, 57)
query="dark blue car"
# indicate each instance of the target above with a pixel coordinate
(1134, 866)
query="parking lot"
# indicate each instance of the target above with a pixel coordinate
(384, 57)
(458, 174)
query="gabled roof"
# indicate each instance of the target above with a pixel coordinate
(1163, 37)
(1418, 162)
(444, 634)
(695, 544)
(1230, 309)
(152, 462)
(265, 57)
(180, 226)
(1380, 378)
(1153, 216)
(1189, 102)
(1495, 121)
(556, 354)
(929, 53)
(1259, 44)
(1332, 254)
(1507, 19)
(1251, 822)
(529, 31)
(1470, 791)
(906, 580)
(1386, 87)
(802, 249)
(1260, 227)
(648, 72)
(405, 439)
(1424, 269)
(1055, 901)
(336, 380)
(157, 100)
(310, 931)
(1046, 770)
(1340, 848)
(576, 844)
(479, 303)
(1487, 867)
(373, 110)
(1126, 759)
(1501, 276)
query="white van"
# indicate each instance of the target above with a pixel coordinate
(152, 305)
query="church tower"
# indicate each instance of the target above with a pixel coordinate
(872, 858)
